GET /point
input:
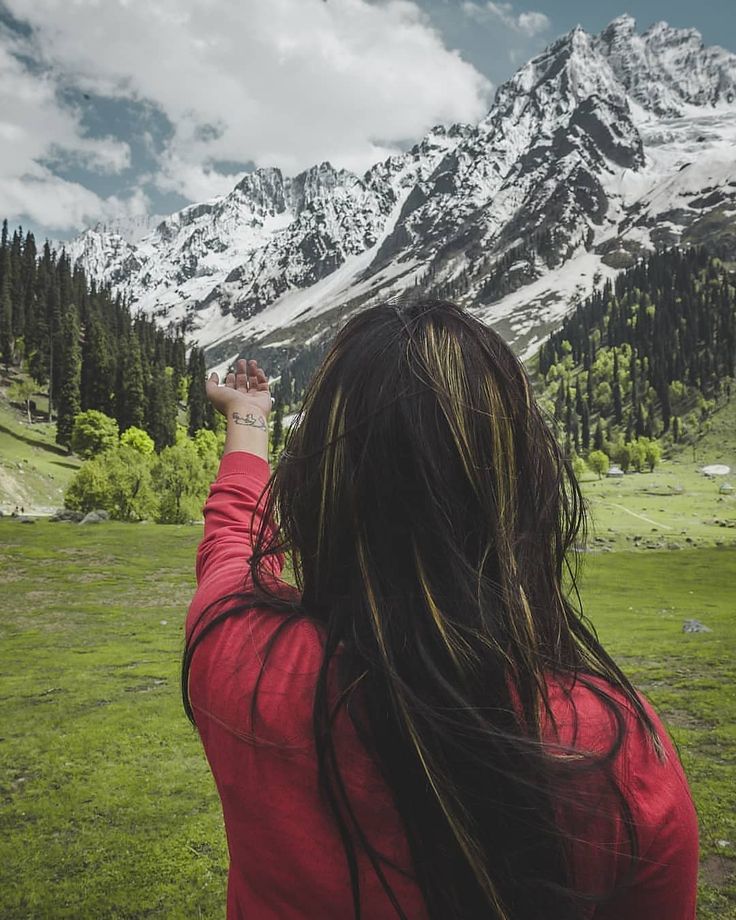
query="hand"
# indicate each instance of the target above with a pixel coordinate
(244, 391)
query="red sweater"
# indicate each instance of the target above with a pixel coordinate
(286, 858)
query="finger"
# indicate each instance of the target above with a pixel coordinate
(241, 366)
(213, 379)
(261, 379)
(230, 380)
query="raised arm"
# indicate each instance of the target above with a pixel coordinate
(234, 508)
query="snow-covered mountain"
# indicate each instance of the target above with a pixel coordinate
(600, 148)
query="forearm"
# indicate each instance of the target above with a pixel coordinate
(247, 429)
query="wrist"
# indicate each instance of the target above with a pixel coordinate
(245, 416)
(247, 429)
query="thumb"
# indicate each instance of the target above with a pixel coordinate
(213, 378)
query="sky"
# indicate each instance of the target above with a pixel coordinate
(114, 109)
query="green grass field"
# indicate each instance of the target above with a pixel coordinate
(108, 806)
(109, 809)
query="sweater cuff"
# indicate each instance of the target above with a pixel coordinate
(242, 462)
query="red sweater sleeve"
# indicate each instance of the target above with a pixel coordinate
(233, 514)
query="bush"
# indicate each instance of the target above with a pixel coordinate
(139, 440)
(181, 477)
(598, 462)
(653, 454)
(638, 453)
(89, 489)
(624, 456)
(578, 467)
(93, 432)
(118, 480)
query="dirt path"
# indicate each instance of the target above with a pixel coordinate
(640, 516)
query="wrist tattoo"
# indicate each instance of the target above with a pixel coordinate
(255, 421)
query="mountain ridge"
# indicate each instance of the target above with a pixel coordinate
(604, 146)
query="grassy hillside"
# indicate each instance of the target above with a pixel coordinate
(34, 470)
(676, 505)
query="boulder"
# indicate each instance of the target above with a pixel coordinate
(95, 517)
(695, 626)
(66, 514)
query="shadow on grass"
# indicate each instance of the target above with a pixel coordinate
(44, 445)
(68, 466)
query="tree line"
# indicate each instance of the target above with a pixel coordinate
(647, 356)
(82, 344)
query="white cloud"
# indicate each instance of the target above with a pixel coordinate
(38, 133)
(277, 82)
(529, 23)
(532, 23)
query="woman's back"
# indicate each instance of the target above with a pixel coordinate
(287, 860)
(431, 517)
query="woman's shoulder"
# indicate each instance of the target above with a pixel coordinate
(264, 655)
(591, 714)
(594, 717)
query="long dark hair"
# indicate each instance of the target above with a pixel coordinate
(431, 517)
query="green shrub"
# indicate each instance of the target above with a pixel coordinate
(118, 480)
(93, 432)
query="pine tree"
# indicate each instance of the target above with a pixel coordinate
(585, 427)
(640, 423)
(664, 399)
(278, 424)
(98, 367)
(197, 397)
(560, 400)
(617, 402)
(16, 284)
(178, 361)
(6, 319)
(54, 342)
(130, 403)
(629, 426)
(209, 409)
(28, 272)
(598, 436)
(70, 360)
(161, 418)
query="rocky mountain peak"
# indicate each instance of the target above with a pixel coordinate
(263, 189)
(665, 69)
(600, 148)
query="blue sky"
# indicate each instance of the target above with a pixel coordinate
(134, 107)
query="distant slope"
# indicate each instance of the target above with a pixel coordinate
(652, 354)
(34, 471)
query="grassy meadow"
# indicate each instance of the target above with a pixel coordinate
(109, 809)
(34, 470)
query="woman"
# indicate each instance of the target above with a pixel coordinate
(426, 727)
